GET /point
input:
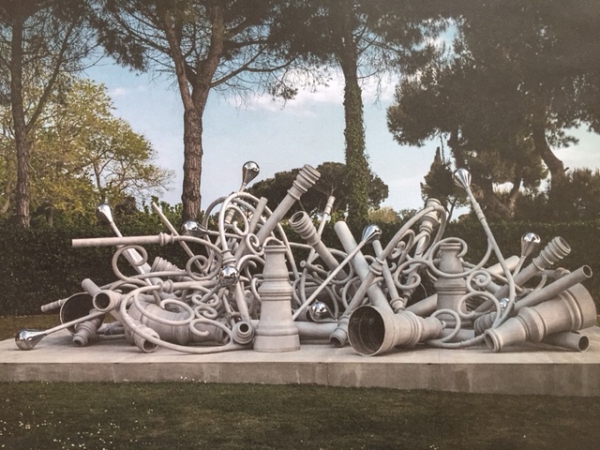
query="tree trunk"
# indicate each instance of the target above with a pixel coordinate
(357, 167)
(494, 206)
(515, 193)
(194, 87)
(23, 144)
(555, 165)
(192, 163)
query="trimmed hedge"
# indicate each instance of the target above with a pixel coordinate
(39, 265)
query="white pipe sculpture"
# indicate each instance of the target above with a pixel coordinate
(245, 287)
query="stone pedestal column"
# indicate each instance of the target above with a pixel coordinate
(450, 290)
(276, 331)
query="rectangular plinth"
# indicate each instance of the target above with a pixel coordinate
(528, 369)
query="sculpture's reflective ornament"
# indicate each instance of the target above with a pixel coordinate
(320, 312)
(104, 213)
(228, 276)
(371, 233)
(27, 339)
(529, 243)
(250, 171)
(193, 228)
(462, 178)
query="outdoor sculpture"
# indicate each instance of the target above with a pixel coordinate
(243, 287)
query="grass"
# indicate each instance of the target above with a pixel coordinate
(9, 325)
(203, 416)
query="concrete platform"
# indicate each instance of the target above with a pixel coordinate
(527, 369)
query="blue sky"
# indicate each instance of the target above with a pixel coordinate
(307, 130)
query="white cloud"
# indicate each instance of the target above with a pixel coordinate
(119, 92)
(307, 99)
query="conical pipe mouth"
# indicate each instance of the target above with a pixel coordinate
(366, 331)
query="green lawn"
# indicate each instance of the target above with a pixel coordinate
(204, 416)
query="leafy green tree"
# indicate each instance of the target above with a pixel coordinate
(40, 40)
(333, 182)
(439, 184)
(206, 44)
(573, 197)
(506, 95)
(82, 155)
(385, 214)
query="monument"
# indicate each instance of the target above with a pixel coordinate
(245, 287)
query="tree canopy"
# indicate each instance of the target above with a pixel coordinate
(39, 41)
(574, 197)
(517, 78)
(502, 96)
(206, 44)
(360, 38)
(81, 154)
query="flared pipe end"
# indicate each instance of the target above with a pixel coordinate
(339, 338)
(373, 331)
(106, 301)
(555, 250)
(242, 333)
(142, 342)
(492, 342)
(303, 226)
(511, 332)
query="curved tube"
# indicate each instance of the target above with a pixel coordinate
(140, 340)
(177, 334)
(256, 215)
